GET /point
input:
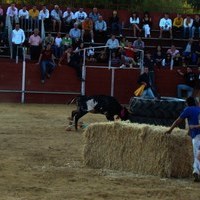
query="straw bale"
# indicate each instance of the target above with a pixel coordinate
(138, 148)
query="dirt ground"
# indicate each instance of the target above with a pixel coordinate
(39, 160)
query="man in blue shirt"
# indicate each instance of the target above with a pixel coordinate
(192, 114)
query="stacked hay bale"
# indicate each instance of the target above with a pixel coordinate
(138, 148)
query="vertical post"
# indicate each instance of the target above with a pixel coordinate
(23, 76)
(17, 57)
(109, 61)
(112, 82)
(83, 74)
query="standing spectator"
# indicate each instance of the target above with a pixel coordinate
(178, 25)
(56, 16)
(147, 23)
(79, 16)
(144, 80)
(196, 26)
(187, 26)
(94, 15)
(191, 113)
(68, 19)
(75, 34)
(190, 80)
(12, 12)
(35, 45)
(46, 62)
(165, 24)
(57, 45)
(135, 22)
(23, 18)
(115, 23)
(44, 16)
(87, 27)
(100, 28)
(33, 18)
(18, 38)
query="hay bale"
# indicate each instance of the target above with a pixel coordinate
(138, 148)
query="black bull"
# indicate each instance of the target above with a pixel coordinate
(102, 104)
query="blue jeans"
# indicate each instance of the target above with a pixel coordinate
(185, 30)
(181, 87)
(148, 93)
(46, 67)
(195, 29)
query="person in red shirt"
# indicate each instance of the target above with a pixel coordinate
(46, 62)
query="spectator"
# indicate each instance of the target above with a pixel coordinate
(57, 45)
(49, 39)
(165, 24)
(33, 18)
(66, 42)
(167, 61)
(90, 54)
(115, 23)
(144, 80)
(87, 27)
(44, 16)
(147, 23)
(196, 26)
(94, 15)
(79, 16)
(187, 26)
(138, 44)
(175, 55)
(68, 19)
(190, 80)
(56, 17)
(197, 53)
(18, 38)
(177, 25)
(113, 44)
(189, 55)
(123, 42)
(12, 12)
(35, 45)
(100, 28)
(75, 34)
(46, 62)
(24, 18)
(158, 56)
(134, 22)
(1, 12)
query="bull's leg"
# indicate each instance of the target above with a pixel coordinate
(77, 116)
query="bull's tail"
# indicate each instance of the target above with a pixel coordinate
(72, 100)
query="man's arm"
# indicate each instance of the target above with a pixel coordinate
(176, 123)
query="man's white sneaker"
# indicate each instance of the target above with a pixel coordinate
(122, 66)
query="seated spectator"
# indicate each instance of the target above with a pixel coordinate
(158, 56)
(23, 18)
(94, 15)
(115, 60)
(188, 86)
(35, 42)
(147, 23)
(100, 28)
(167, 62)
(33, 18)
(90, 54)
(46, 62)
(113, 44)
(165, 24)
(189, 55)
(12, 12)
(102, 57)
(178, 26)
(44, 16)
(80, 16)
(175, 55)
(138, 44)
(115, 23)
(1, 13)
(56, 17)
(66, 42)
(75, 34)
(187, 27)
(57, 45)
(144, 80)
(128, 56)
(68, 19)
(135, 22)
(87, 28)
(49, 39)
(123, 42)
(196, 26)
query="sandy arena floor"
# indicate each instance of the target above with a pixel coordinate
(39, 160)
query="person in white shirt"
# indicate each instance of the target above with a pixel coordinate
(56, 16)
(12, 12)
(18, 38)
(57, 45)
(79, 16)
(23, 18)
(44, 15)
(68, 19)
(187, 26)
(113, 45)
(165, 24)
(135, 22)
